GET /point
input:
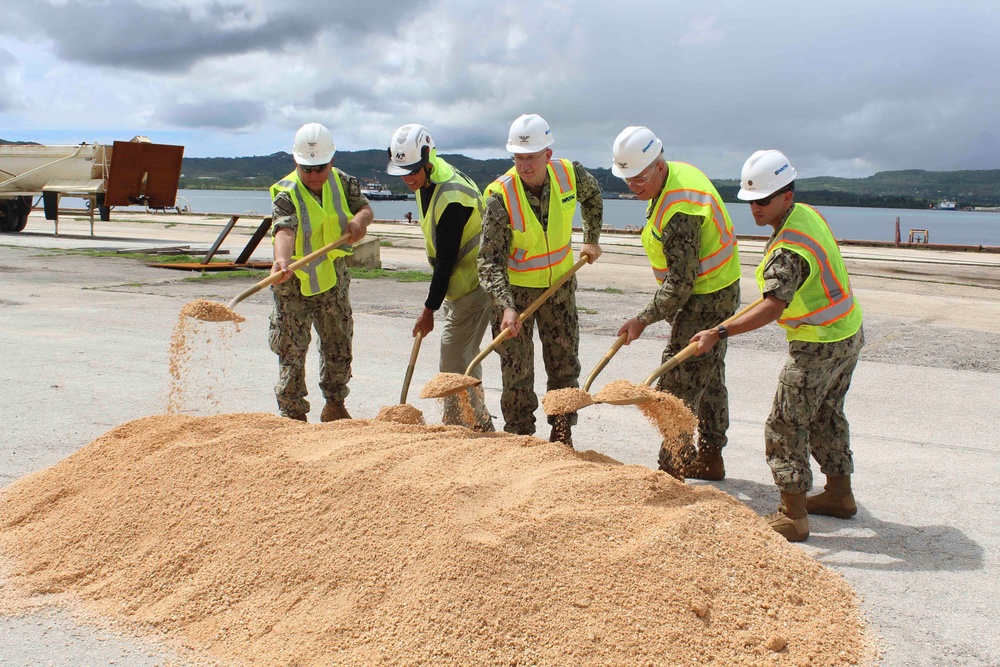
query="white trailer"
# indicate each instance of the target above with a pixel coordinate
(132, 172)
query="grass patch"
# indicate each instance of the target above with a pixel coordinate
(607, 290)
(256, 274)
(144, 256)
(385, 243)
(410, 276)
(586, 311)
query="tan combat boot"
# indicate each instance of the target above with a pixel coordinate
(836, 500)
(562, 430)
(333, 411)
(707, 465)
(791, 520)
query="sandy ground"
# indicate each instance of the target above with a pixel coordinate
(87, 341)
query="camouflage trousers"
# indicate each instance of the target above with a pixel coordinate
(559, 330)
(807, 416)
(701, 381)
(290, 332)
(465, 322)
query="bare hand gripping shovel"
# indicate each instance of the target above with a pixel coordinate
(671, 363)
(431, 391)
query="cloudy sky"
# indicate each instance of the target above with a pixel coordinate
(845, 88)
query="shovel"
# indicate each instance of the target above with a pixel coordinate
(409, 369)
(430, 391)
(641, 395)
(297, 264)
(570, 400)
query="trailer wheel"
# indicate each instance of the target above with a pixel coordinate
(23, 209)
(9, 211)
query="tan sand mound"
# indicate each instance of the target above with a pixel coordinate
(403, 413)
(262, 541)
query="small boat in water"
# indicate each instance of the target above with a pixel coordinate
(947, 205)
(379, 192)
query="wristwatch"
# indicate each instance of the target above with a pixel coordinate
(723, 334)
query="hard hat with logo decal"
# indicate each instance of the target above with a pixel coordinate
(529, 134)
(313, 145)
(409, 149)
(764, 173)
(635, 148)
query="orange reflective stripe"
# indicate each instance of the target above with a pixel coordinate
(538, 262)
(514, 211)
(564, 185)
(701, 198)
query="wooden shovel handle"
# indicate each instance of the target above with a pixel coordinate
(297, 264)
(503, 335)
(675, 361)
(604, 361)
(409, 369)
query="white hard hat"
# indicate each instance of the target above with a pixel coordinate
(635, 148)
(409, 150)
(313, 145)
(529, 134)
(764, 173)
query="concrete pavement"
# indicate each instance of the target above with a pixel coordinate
(86, 348)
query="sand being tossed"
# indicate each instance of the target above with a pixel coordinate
(261, 541)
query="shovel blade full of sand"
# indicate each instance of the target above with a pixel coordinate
(446, 384)
(638, 396)
(270, 280)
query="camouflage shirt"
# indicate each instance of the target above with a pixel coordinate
(681, 246)
(283, 210)
(495, 247)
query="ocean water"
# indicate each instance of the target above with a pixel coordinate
(863, 224)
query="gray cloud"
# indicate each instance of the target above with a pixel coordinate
(844, 87)
(225, 115)
(162, 37)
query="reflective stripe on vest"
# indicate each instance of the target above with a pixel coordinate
(459, 189)
(319, 225)
(688, 190)
(540, 256)
(824, 309)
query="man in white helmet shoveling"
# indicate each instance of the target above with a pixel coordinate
(527, 248)
(313, 207)
(807, 291)
(451, 209)
(691, 246)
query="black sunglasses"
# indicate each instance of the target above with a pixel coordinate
(315, 169)
(766, 200)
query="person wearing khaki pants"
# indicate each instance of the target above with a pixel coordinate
(451, 213)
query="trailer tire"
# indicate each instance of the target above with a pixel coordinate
(23, 209)
(9, 211)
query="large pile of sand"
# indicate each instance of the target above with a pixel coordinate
(264, 541)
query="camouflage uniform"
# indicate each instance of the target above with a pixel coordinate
(700, 381)
(807, 415)
(294, 315)
(558, 320)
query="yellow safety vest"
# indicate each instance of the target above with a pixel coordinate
(824, 309)
(688, 190)
(319, 225)
(539, 256)
(454, 187)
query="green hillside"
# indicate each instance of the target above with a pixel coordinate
(911, 188)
